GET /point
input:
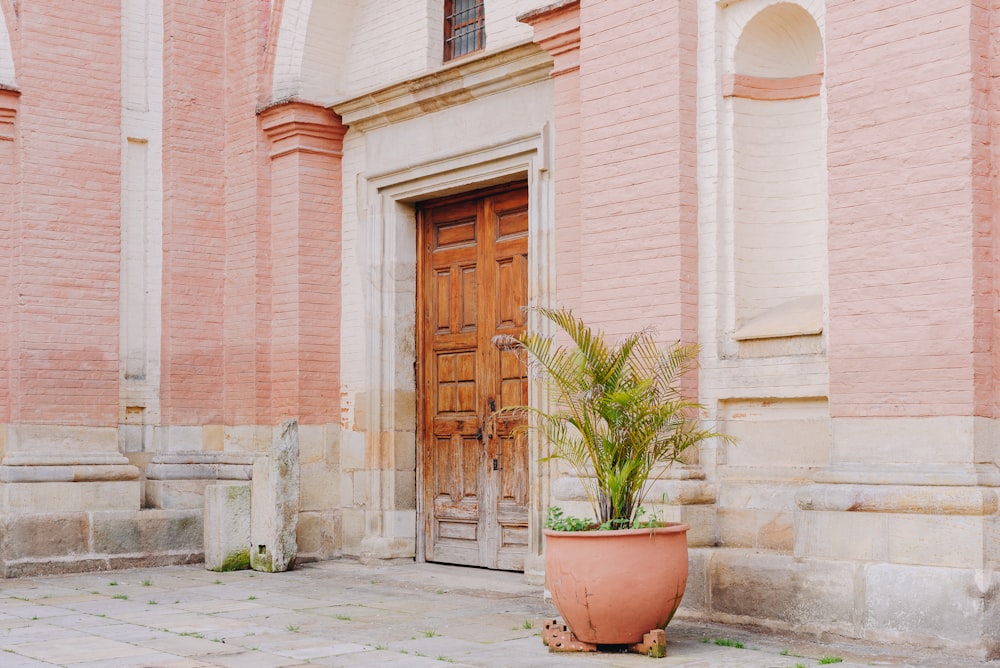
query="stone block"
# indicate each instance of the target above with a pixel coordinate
(841, 535)
(147, 532)
(213, 438)
(737, 527)
(275, 503)
(936, 540)
(346, 489)
(319, 488)
(68, 497)
(227, 526)
(405, 490)
(776, 530)
(43, 536)
(352, 449)
(312, 444)
(405, 451)
(813, 596)
(176, 438)
(247, 438)
(702, 519)
(946, 604)
(353, 530)
(318, 534)
(695, 601)
(176, 493)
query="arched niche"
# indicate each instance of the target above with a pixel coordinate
(782, 41)
(311, 49)
(779, 175)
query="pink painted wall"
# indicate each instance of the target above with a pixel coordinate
(61, 178)
(194, 232)
(246, 271)
(638, 201)
(9, 169)
(65, 238)
(558, 32)
(906, 222)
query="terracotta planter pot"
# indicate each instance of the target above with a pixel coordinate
(611, 587)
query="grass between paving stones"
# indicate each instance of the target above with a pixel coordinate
(724, 642)
(830, 659)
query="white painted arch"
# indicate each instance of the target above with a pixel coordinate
(312, 45)
(6, 53)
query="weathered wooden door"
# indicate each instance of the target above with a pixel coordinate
(473, 283)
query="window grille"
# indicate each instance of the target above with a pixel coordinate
(464, 27)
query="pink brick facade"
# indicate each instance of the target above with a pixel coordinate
(266, 186)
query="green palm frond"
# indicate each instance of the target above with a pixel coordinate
(617, 411)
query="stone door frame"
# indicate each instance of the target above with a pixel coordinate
(388, 217)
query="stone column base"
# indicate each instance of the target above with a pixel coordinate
(931, 606)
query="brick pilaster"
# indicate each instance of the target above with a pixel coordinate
(305, 150)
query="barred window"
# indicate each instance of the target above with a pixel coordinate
(464, 27)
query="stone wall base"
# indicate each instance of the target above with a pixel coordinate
(74, 542)
(950, 608)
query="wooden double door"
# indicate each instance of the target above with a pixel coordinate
(472, 286)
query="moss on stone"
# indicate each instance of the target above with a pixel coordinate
(235, 561)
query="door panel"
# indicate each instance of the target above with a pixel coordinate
(473, 285)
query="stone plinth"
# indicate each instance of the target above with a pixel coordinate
(227, 526)
(274, 507)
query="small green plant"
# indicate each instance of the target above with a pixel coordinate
(121, 597)
(429, 634)
(344, 618)
(800, 665)
(440, 591)
(556, 520)
(527, 625)
(830, 659)
(113, 583)
(218, 582)
(251, 597)
(728, 642)
(786, 652)
(445, 659)
(379, 648)
(293, 628)
(147, 583)
(150, 602)
(35, 618)
(191, 634)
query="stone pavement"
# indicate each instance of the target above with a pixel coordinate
(342, 613)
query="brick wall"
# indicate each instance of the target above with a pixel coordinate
(637, 178)
(64, 273)
(193, 220)
(246, 232)
(901, 208)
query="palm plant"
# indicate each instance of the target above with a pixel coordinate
(617, 414)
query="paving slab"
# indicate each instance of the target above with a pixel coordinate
(345, 614)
